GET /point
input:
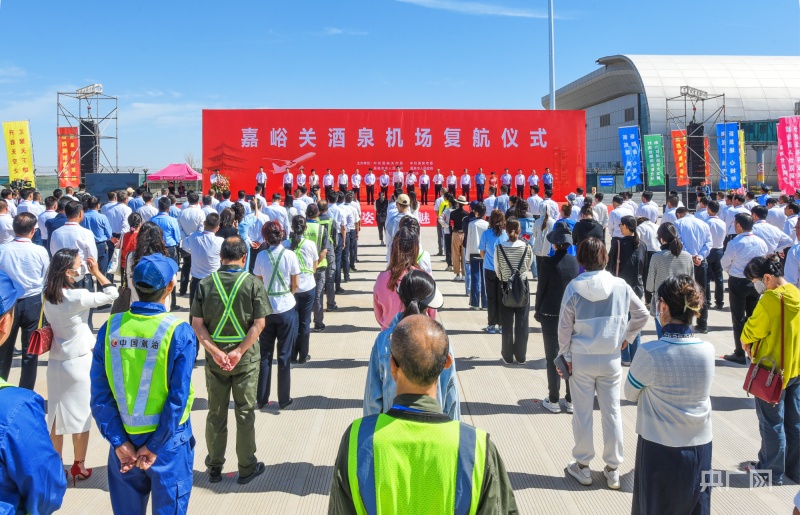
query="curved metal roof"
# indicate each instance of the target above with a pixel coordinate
(755, 87)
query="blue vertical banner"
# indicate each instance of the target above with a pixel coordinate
(631, 149)
(730, 170)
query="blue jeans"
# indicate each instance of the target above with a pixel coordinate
(478, 287)
(780, 434)
(467, 273)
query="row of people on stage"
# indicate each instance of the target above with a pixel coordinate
(408, 181)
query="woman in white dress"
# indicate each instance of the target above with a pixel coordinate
(68, 383)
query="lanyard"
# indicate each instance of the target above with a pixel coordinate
(406, 408)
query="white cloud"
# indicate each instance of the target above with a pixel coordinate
(334, 31)
(11, 74)
(476, 8)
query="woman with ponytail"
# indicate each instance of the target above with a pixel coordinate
(670, 261)
(671, 379)
(418, 295)
(403, 259)
(626, 260)
(306, 252)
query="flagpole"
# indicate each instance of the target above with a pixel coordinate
(552, 59)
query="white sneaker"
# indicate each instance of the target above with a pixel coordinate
(552, 407)
(569, 407)
(612, 477)
(583, 475)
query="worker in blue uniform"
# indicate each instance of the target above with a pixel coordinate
(142, 396)
(32, 478)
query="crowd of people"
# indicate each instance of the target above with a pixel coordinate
(260, 275)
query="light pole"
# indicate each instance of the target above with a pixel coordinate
(552, 57)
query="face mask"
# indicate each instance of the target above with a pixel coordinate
(760, 287)
(80, 273)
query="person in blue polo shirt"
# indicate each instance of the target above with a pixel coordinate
(98, 223)
(142, 395)
(32, 478)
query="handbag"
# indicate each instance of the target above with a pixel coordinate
(766, 383)
(41, 338)
(123, 302)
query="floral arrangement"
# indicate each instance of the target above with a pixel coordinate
(222, 183)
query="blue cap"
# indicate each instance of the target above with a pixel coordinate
(10, 291)
(154, 272)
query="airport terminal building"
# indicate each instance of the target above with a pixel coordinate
(646, 90)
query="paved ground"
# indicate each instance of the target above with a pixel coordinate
(299, 445)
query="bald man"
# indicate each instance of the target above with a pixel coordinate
(409, 462)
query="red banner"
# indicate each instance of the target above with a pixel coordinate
(788, 156)
(707, 158)
(238, 142)
(69, 157)
(679, 153)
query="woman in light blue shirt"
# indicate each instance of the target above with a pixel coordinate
(418, 293)
(490, 239)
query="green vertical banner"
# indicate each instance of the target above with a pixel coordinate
(654, 159)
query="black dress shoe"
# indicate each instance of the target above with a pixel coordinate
(735, 359)
(340, 289)
(304, 361)
(698, 329)
(289, 403)
(214, 474)
(318, 328)
(260, 468)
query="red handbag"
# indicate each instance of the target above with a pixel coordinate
(766, 383)
(42, 338)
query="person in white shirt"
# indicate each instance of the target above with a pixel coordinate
(191, 220)
(791, 210)
(535, 202)
(791, 269)
(648, 208)
(452, 182)
(243, 201)
(343, 181)
(750, 200)
(72, 235)
(424, 185)
(398, 178)
(279, 269)
(226, 202)
(6, 223)
(411, 181)
(208, 208)
(260, 196)
(255, 237)
(628, 201)
(737, 206)
(775, 215)
(466, 182)
(27, 264)
(49, 213)
(214, 176)
(505, 179)
(615, 216)
(674, 193)
(355, 181)
(776, 239)
(301, 177)
(717, 227)
(261, 177)
(549, 204)
(204, 247)
(308, 258)
(27, 205)
(438, 180)
(277, 213)
(369, 182)
(701, 210)
(533, 180)
(352, 224)
(327, 184)
(520, 183)
(12, 206)
(600, 211)
(491, 201)
(384, 181)
(288, 183)
(313, 179)
(147, 211)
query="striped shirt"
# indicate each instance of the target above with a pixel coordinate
(514, 251)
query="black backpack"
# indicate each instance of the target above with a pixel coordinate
(516, 292)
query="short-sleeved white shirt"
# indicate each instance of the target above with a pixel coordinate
(287, 267)
(308, 251)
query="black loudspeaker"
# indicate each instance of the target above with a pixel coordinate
(89, 143)
(695, 151)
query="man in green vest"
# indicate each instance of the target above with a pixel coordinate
(319, 233)
(31, 474)
(328, 221)
(142, 396)
(229, 312)
(413, 458)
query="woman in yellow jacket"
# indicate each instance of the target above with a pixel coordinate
(779, 424)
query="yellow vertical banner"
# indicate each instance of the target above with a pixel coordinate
(743, 159)
(19, 151)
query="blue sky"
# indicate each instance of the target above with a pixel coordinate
(166, 61)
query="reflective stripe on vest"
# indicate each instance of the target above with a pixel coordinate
(139, 345)
(314, 233)
(400, 450)
(228, 313)
(276, 274)
(304, 269)
(3, 383)
(328, 224)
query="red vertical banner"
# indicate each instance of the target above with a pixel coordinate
(69, 157)
(788, 157)
(679, 153)
(707, 157)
